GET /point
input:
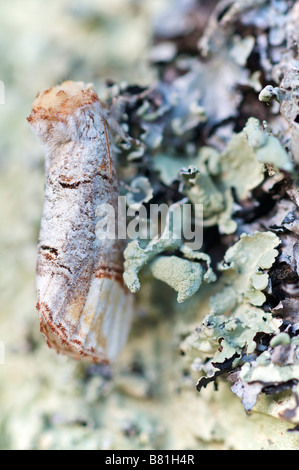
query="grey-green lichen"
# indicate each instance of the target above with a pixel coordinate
(287, 95)
(234, 319)
(184, 275)
(210, 177)
(243, 277)
(271, 370)
(239, 294)
(240, 167)
(139, 192)
(267, 148)
(221, 338)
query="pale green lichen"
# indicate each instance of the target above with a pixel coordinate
(217, 202)
(265, 371)
(136, 257)
(222, 337)
(287, 95)
(267, 148)
(240, 168)
(210, 177)
(182, 275)
(200, 189)
(139, 192)
(269, 92)
(280, 339)
(227, 336)
(169, 166)
(242, 271)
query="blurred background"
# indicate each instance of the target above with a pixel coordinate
(52, 402)
(42, 44)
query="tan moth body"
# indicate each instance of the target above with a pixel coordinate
(84, 308)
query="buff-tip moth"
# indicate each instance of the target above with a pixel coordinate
(84, 308)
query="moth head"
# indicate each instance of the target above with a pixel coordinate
(56, 112)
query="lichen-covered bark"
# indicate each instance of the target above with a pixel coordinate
(199, 132)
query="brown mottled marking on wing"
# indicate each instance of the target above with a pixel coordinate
(109, 273)
(56, 103)
(57, 340)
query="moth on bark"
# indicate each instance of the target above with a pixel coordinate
(85, 309)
